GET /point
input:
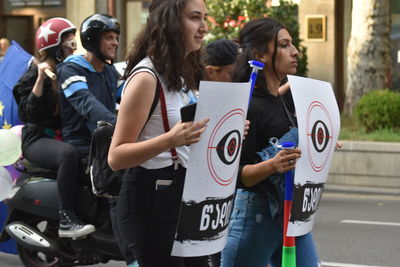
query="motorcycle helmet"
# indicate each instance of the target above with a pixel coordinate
(91, 30)
(48, 36)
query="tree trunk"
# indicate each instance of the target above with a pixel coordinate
(368, 51)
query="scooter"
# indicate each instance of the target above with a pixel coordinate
(33, 222)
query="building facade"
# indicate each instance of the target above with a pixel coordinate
(325, 27)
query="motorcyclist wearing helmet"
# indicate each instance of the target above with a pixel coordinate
(88, 83)
(38, 102)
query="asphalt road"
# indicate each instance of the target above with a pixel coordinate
(8, 260)
(349, 230)
(358, 230)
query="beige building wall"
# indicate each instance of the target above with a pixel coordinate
(76, 12)
(130, 14)
(321, 54)
(134, 13)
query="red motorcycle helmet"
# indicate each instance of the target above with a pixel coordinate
(49, 33)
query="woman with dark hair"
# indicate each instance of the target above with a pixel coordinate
(163, 70)
(38, 102)
(256, 226)
(220, 59)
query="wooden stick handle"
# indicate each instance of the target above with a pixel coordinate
(50, 74)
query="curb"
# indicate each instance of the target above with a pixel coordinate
(362, 190)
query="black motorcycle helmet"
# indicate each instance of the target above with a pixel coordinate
(91, 30)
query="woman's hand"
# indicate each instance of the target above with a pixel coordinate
(285, 160)
(338, 145)
(246, 128)
(41, 67)
(186, 133)
(37, 89)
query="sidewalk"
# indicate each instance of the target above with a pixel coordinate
(333, 188)
(366, 167)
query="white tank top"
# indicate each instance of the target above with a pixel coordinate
(154, 126)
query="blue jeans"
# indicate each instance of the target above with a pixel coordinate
(255, 239)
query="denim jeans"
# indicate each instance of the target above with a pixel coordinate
(255, 239)
(272, 148)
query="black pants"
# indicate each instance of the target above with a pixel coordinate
(215, 259)
(148, 217)
(61, 157)
(122, 245)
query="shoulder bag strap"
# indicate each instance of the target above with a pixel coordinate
(288, 114)
(156, 96)
(164, 114)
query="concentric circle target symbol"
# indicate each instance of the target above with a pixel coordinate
(319, 135)
(224, 147)
(227, 148)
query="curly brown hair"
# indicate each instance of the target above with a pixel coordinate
(162, 39)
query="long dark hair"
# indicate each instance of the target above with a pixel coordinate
(162, 40)
(255, 37)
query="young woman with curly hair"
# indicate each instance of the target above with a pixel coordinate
(164, 63)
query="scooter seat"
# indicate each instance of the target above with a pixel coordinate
(35, 170)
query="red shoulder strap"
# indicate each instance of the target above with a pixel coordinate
(164, 115)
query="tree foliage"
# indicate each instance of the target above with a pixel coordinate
(228, 17)
(379, 109)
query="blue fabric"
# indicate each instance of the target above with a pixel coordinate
(133, 264)
(7, 246)
(273, 148)
(81, 61)
(192, 97)
(278, 179)
(74, 87)
(255, 239)
(14, 64)
(82, 103)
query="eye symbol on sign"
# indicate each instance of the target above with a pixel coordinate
(228, 148)
(224, 146)
(320, 136)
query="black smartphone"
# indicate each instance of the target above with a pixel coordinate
(188, 112)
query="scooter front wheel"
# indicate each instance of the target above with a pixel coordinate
(35, 258)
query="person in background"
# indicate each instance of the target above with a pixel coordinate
(168, 55)
(256, 227)
(220, 59)
(88, 85)
(38, 101)
(4, 44)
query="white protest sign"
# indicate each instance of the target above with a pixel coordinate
(318, 120)
(210, 182)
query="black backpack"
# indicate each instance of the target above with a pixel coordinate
(105, 182)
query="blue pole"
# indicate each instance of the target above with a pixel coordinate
(256, 65)
(289, 242)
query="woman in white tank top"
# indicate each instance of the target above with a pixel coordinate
(163, 66)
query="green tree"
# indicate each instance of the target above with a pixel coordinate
(228, 17)
(368, 51)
